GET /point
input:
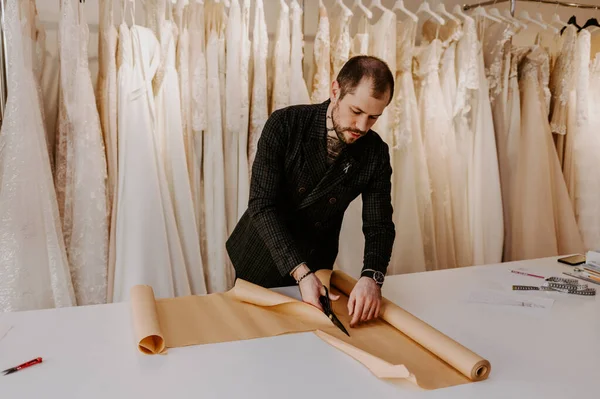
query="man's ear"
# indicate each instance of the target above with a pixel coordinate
(334, 95)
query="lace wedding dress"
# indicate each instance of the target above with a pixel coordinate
(243, 189)
(321, 60)
(413, 213)
(218, 272)
(439, 141)
(543, 223)
(340, 38)
(34, 272)
(259, 111)
(81, 164)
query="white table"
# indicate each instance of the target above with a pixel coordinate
(89, 352)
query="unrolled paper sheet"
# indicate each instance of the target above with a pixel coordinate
(397, 345)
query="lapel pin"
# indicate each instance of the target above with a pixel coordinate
(346, 168)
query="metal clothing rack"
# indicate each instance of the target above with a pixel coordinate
(513, 4)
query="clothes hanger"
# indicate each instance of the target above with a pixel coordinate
(344, 7)
(441, 9)
(377, 4)
(458, 10)
(592, 22)
(480, 12)
(424, 8)
(361, 6)
(400, 6)
(514, 20)
(571, 21)
(540, 19)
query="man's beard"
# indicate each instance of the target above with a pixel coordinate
(339, 130)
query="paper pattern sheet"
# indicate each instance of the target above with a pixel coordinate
(397, 345)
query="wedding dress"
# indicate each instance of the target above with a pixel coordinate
(280, 62)
(543, 223)
(340, 38)
(587, 145)
(321, 60)
(106, 94)
(413, 214)
(34, 272)
(148, 248)
(298, 89)
(81, 164)
(198, 118)
(259, 111)
(182, 229)
(233, 111)
(439, 140)
(485, 197)
(360, 41)
(243, 189)
(217, 271)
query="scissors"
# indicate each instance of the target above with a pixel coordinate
(326, 304)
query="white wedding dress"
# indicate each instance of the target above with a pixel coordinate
(243, 189)
(298, 89)
(414, 250)
(81, 164)
(34, 272)
(340, 38)
(218, 272)
(233, 111)
(439, 141)
(259, 110)
(280, 61)
(184, 232)
(321, 60)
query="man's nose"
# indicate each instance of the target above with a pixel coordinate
(362, 122)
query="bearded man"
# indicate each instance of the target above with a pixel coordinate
(312, 161)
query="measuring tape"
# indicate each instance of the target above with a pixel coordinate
(565, 288)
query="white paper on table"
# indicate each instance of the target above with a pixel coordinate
(491, 297)
(4, 329)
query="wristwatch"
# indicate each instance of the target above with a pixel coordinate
(376, 275)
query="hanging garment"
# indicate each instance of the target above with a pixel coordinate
(259, 111)
(321, 59)
(280, 62)
(184, 232)
(198, 116)
(543, 221)
(243, 188)
(217, 269)
(298, 89)
(414, 250)
(340, 38)
(485, 197)
(561, 85)
(81, 164)
(360, 41)
(106, 94)
(34, 271)
(439, 141)
(586, 144)
(148, 248)
(233, 111)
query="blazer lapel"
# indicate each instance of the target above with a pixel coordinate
(314, 147)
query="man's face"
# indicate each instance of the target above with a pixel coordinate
(353, 115)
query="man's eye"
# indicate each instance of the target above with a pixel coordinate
(356, 112)
(373, 117)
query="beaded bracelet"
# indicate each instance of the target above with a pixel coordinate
(303, 276)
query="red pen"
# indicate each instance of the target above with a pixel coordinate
(527, 274)
(22, 366)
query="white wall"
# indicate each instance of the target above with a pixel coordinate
(49, 13)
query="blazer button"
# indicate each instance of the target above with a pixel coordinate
(318, 225)
(332, 200)
(302, 190)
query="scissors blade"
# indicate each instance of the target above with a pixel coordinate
(338, 323)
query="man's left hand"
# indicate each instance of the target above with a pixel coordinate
(365, 301)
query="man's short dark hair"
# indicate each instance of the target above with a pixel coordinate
(366, 67)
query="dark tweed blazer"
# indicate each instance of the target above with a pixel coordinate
(297, 202)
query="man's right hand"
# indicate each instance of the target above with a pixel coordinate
(311, 287)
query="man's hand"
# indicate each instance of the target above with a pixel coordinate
(311, 287)
(365, 301)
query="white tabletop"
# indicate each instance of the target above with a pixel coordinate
(89, 352)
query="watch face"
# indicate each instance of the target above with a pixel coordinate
(378, 277)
